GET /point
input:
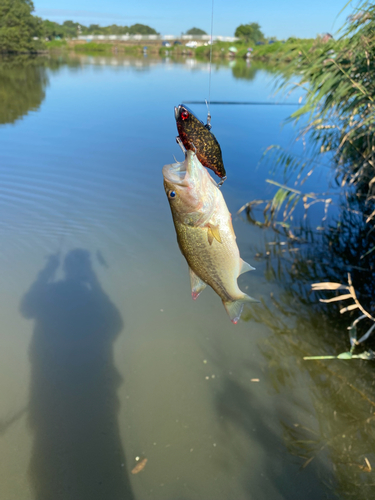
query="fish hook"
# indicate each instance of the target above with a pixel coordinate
(221, 182)
(179, 142)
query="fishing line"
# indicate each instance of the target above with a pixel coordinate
(209, 73)
(245, 103)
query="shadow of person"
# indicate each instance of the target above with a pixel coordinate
(77, 452)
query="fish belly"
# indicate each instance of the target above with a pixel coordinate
(217, 264)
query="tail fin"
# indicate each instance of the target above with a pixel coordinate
(234, 308)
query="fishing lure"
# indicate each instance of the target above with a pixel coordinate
(195, 136)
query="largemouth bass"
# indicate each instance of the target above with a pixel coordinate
(196, 136)
(205, 233)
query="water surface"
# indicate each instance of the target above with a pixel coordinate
(104, 357)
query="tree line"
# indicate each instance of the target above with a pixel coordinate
(71, 29)
(21, 31)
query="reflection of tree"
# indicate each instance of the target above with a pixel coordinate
(238, 407)
(342, 392)
(73, 408)
(22, 87)
(244, 69)
(23, 80)
(247, 69)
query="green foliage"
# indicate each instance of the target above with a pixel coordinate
(18, 27)
(141, 29)
(113, 29)
(221, 49)
(56, 44)
(338, 122)
(282, 52)
(338, 111)
(93, 47)
(195, 31)
(52, 30)
(339, 106)
(249, 32)
(71, 29)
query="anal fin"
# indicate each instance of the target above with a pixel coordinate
(197, 285)
(234, 308)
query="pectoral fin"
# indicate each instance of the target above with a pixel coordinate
(245, 267)
(197, 285)
(213, 232)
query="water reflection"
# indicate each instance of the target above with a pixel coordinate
(341, 392)
(22, 83)
(240, 409)
(73, 408)
(244, 69)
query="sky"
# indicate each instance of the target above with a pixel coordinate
(280, 18)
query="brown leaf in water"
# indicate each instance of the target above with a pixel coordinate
(140, 466)
(307, 462)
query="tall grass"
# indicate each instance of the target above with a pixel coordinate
(337, 124)
(338, 111)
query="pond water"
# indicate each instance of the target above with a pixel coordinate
(104, 357)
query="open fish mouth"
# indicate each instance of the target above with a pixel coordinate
(175, 173)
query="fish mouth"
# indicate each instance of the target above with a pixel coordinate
(177, 112)
(175, 173)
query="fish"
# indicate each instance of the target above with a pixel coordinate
(205, 233)
(197, 137)
(140, 466)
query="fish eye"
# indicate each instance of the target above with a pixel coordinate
(171, 194)
(184, 114)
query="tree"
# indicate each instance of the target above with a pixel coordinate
(249, 32)
(70, 29)
(195, 31)
(51, 30)
(116, 30)
(18, 26)
(142, 29)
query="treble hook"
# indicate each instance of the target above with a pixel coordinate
(179, 142)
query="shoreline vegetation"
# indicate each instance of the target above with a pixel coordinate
(21, 32)
(335, 124)
(277, 52)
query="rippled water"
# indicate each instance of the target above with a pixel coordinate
(104, 357)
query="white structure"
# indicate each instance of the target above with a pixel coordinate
(197, 38)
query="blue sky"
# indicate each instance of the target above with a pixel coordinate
(280, 18)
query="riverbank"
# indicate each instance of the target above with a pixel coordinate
(276, 52)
